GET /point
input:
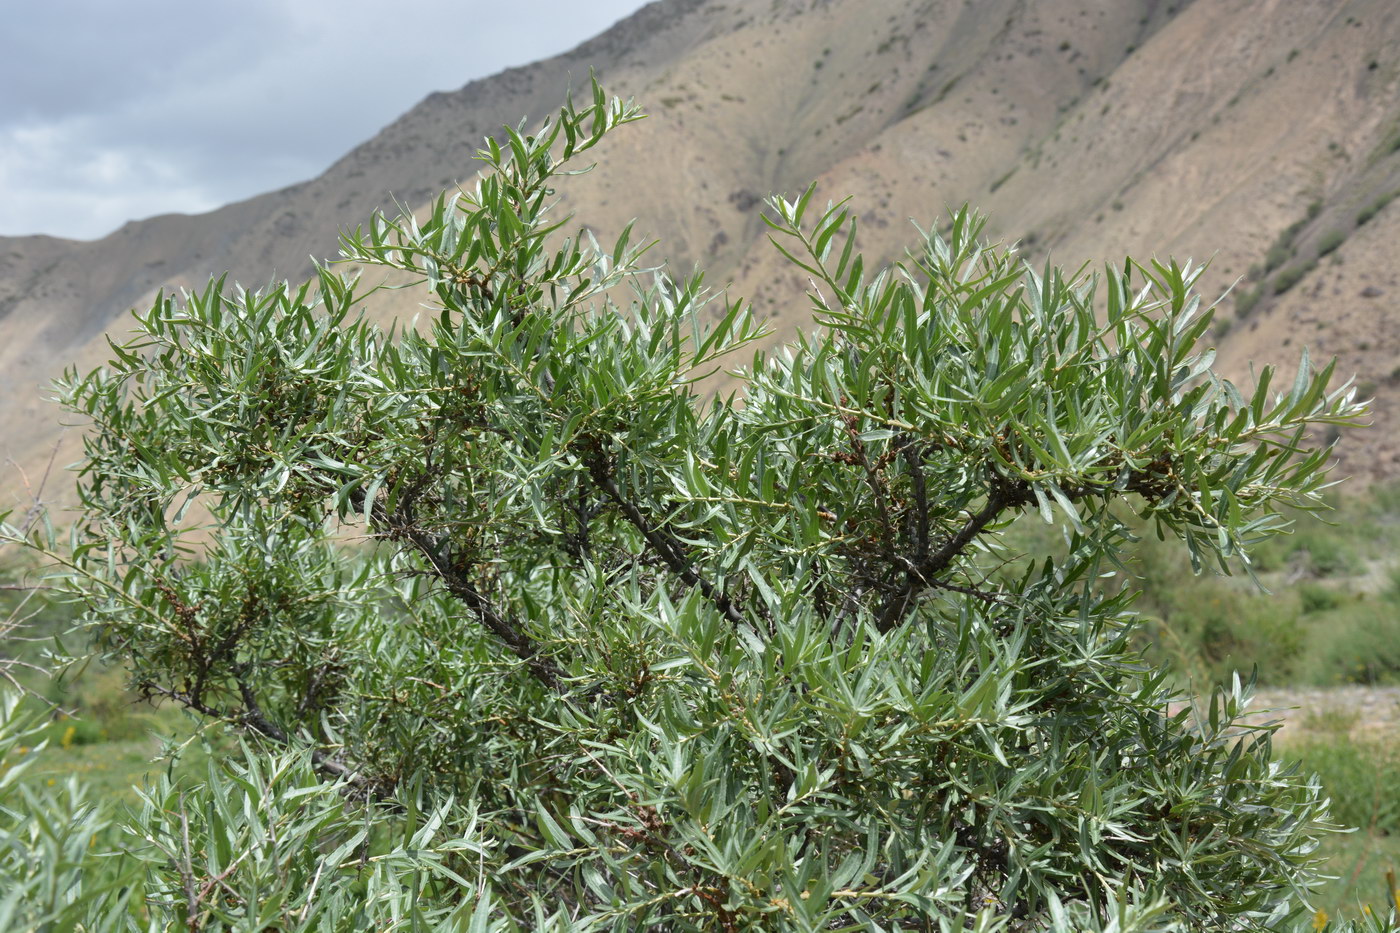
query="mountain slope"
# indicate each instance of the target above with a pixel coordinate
(1250, 132)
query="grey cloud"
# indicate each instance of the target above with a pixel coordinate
(112, 111)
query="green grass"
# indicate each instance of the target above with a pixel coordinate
(1362, 777)
(113, 770)
(116, 754)
(1328, 612)
(1359, 861)
(98, 730)
(1330, 241)
(1375, 207)
(1292, 275)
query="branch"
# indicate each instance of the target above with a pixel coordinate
(254, 718)
(875, 480)
(402, 524)
(922, 574)
(1004, 495)
(914, 459)
(667, 548)
(507, 630)
(994, 599)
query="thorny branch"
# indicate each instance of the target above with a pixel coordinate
(914, 460)
(255, 719)
(920, 575)
(923, 574)
(875, 478)
(667, 548)
(402, 525)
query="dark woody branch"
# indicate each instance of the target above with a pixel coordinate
(671, 551)
(506, 629)
(252, 717)
(875, 479)
(401, 524)
(914, 460)
(923, 574)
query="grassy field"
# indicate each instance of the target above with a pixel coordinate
(1363, 863)
(1362, 776)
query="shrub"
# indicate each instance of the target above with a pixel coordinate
(1246, 299)
(1330, 241)
(1210, 632)
(1278, 254)
(1291, 276)
(264, 843)
(1375, 207)
(659, 661)
(1322, 552)
(1318, 598)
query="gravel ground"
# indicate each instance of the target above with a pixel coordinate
(1370, 713)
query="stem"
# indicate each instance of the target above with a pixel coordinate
(914, 459)
(666, 547)
(402, 524)
(507, 630)
(921, 575)
(254, 718)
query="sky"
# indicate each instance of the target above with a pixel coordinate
(117, 110)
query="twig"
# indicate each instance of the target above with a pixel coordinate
(920, 575)
(914, 459)
(666, 547)
(186, 869)
(402, 524)
(507, 630)
(254, 718)
(874, 478)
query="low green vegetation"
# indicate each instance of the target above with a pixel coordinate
(1322, 610)
(1328, 612)
(1361, 775)
(1246, 299)
(1278, 253)
(1275, 275)
(1359, 769)
(1292, 275)
(1330, 241)
(1375, 207)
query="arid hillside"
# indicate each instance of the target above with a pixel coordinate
(1262, 135)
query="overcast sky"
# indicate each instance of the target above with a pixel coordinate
(114, 110)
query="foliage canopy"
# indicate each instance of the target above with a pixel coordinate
(525, 633)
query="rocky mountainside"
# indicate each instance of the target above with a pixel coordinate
(1262, 135)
